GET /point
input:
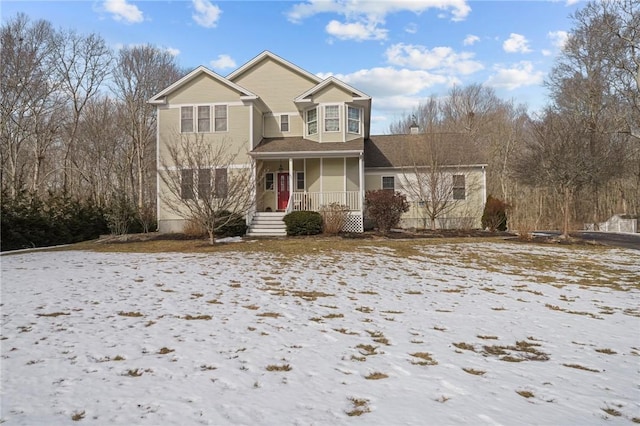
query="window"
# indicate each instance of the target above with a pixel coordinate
(312, 121)
(353, 118)
(204, 183)
(221, 118)
(459, 190)
(204, 119)
(221, 188)
(186, 184)
(268, 182)
(190, 189)
(186, 119)
(284, 123)
(300, 181)
(332, 118)
(388, 182)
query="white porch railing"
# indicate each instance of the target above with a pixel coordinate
(315, 200)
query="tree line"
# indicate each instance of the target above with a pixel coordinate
(577, 161)
(75, 126)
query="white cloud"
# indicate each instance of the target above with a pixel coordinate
(546, 52)
(471, 39)
(442, 59)
(518, 75)
(355, 31)
(383, 82)
(123, 11)
(411, 28)
(223, 62)
(363, 19)
(516, 43)
(572, 2)
(558, 38)
(207, 14)
(173, 51)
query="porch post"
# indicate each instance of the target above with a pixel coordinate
(291, 180)
(361, 170)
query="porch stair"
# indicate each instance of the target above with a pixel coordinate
(267, 224)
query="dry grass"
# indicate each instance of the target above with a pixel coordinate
(164, 351)
(424, 357)
(581, 367)
(275, 367)
(269, 315)
(130, 314)
(525, 393)
(77, 416)
(53, 314)
(465, 346)
(376, 375)
(197, 317)
(606, 351)
(474, 372)
(360, 407)
(367, 349)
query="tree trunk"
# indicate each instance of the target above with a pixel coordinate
(565, 221)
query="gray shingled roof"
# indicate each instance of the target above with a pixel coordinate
(451, 149)
(301, 145)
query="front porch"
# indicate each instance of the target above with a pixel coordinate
(288, 184)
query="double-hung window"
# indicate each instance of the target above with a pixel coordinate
(353, 120)
(186, 119)
(284, 123)
(312, 121)
(332, 118)
(300, 181)
(459, 188)
(220, 118)
(268, 182)
(204, 119)
(389, 183)
(186, 184)
(221, 187)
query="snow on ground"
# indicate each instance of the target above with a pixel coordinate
(477, 333)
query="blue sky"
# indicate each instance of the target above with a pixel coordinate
(398, 52)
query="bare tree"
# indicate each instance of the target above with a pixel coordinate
(27, 96)
(434, 177)
(140, 73)
(203, 183)
(81, 64)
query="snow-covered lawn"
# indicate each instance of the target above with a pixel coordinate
(475, 333)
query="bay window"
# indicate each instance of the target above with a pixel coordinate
(332, 118)
(353, 120)
(312, 121)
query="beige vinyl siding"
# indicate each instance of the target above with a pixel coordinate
(201, 90)
(236, 138)
(332, 94)
(470, 208)
(272, 125)
(313, 175)
(353, 174)
(332, 174)
(276, 84)
(257, 127)
(352, 136)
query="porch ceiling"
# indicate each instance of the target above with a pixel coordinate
(300, 147)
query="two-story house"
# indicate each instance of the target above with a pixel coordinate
(305, 139)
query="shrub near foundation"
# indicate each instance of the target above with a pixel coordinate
(334, 217)
(303, 223)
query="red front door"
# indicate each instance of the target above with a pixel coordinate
(283, 190)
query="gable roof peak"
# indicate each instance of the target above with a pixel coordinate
(268, 54)
(201, 69)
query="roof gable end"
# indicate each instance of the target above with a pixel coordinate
(160, 98)
(269, 55)
(332, 81)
